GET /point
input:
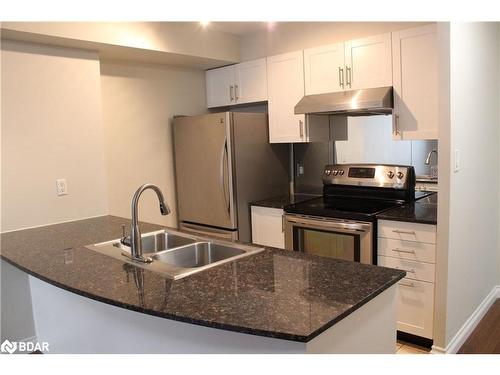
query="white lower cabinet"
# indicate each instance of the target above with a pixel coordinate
(411, 247)
(267, 227)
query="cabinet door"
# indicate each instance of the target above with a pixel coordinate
(368, 62)
(285, 87)
(220, 86)
(267, 227)
(250, 83)
(416, 307)
(415, 80)
(324, 69)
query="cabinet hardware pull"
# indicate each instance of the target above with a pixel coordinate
(301, 128)
(348, 73)
(283, 223)
(236, 97)
(410, 285)
(396, 129)
(404, 231)
(231, 88)
(404, 251)
(341, 77)
(411, 270)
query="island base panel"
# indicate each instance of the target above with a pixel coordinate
(73, 324)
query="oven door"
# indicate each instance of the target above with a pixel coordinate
(333, 238)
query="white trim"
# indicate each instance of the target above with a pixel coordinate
(468, 327)
(55, 223)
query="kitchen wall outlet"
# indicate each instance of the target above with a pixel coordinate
(457, 164)
(61, 187)
(300, 169)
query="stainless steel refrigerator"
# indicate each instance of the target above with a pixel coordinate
(224, 161)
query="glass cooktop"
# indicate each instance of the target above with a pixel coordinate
(356, 208)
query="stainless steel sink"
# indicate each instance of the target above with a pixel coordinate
(197, 255)
(176, 254)
(155, 242)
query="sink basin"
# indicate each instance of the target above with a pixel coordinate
(176, 254)
(155, 242)
(197, 255)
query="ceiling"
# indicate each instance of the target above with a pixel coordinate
(238, 28)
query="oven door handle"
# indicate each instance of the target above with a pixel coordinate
(330, 224)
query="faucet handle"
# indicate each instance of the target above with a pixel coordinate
(123, 230)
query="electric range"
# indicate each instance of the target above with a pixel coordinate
(342, 223)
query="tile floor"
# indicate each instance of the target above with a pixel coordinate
(407, 348)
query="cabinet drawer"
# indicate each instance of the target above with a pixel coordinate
(416, 307)
(411, 250)
(401, 230)
(414, 270)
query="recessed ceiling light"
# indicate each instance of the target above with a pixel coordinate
(204, 23)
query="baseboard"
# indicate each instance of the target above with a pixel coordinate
(464, 332)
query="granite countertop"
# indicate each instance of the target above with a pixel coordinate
(422, 211)
(274, 293)
(284, 200)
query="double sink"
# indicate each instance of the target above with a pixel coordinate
(177, 254)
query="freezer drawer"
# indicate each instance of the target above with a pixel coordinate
(201, 230)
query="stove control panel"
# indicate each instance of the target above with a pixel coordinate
(374, 175)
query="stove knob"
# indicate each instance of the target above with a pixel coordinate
(327, 172)
(400, 175)
(335, 172)
(341, 172)
(390, 174)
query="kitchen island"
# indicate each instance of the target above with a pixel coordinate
(272, 302)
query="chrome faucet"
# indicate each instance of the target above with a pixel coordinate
(428, 160)
(135, 234)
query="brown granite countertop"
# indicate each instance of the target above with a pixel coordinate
(275, 293)
(422, 211)
(284, 200)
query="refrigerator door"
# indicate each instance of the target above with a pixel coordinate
(203, 166)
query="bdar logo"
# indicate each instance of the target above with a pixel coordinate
(8, 347)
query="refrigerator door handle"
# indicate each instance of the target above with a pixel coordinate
(224, 155)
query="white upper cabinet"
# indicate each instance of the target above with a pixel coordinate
(220, 86)
(285, 87)
(250, 82)
(324, 69)
(355, 64)
(368, 62)
(415, 77)
(237, 84)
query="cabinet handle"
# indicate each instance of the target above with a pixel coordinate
(410, 285)
(403, 251)
(231, 88)
(341, 77)
(404, 231)
(301, 128)
(396, 130)
(348, 73)
(411, 270)
(283, 223)
(236, 97)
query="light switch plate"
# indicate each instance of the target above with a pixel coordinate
(61, 187)
(457, 163)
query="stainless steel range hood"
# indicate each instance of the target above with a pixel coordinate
(376, 101)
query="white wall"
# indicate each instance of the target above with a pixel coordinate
(474, 129)
(51, 128)
(139, 102)
(292, 36)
